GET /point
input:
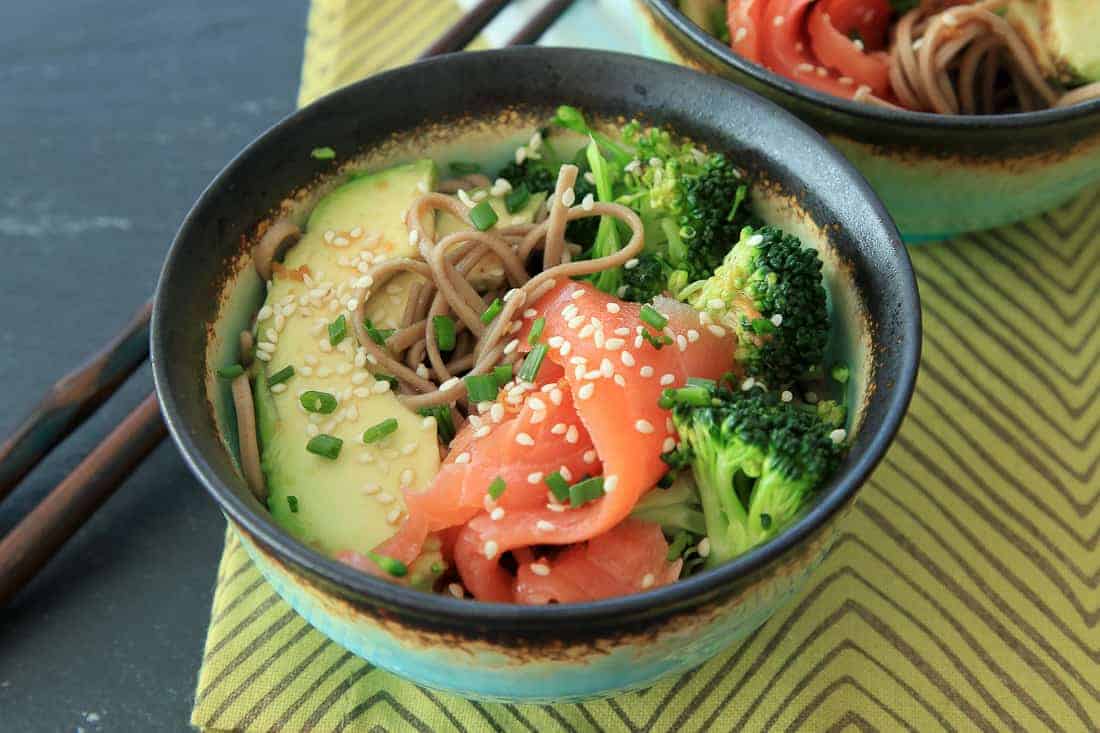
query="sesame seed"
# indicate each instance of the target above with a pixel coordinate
(278, 389)
(626, 358)
(556, 396)
(566, 348)
(538, 416)
(456, 590)
(381, 387)
(748, 384)
(589, 201)
(621, 331)
(610, 483)
(716, 330)
(716, 304)
(370, 488)
(312, 430)
(511, 346)
(589, 457)
(361, 391)
(554, 341)
(264, 313)
(606, 367)
(643, 426)
(539, 569)
(804, 68)
(490, 549)
(777, 320)
(463, 457)
(692, 335)
(598, 339)
(648, 580)
(681, 342)
(535, 403)
(543, 526)
(822, 71)
(619, 380)
(614, 344)
(838, 435)
(740, 35)
(586, 391)
(786, 396)
(393, 516)
(755, 240)
(515, 327)
(385, 498)
(555, 507)
(566, 473)
(524, 439)
(577, 294)
(613, 308)
(638, 341)
(575, 322)
(496, 412)
(497, 514)
(534, 477)
(703, 548)
(846, 81)
(407, 477)
(778, 21)
(646, 371)
(568, 197)
(263, 356)
(667, 379)
(572, 435)
(668, 445)
(586, 331)
(559, 428)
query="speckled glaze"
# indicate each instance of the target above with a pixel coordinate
(938, 175)
(497, 651)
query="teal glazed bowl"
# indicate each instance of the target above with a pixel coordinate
(938, 175)
(475, 104)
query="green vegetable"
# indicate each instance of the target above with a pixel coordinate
(231, 372)
(559, 487)
(377, 335)
(463, 167)
(712, 216)
(647, 279)
(492, 311)
(393, 566)
(483, 216)
(607, 236)
(314, 401)
(322, 153)
(585, 491)
(444, 329)
(502, 374)
(678, 545)
(533, 363)
(280, 376)
(841, 373)
(517, 198)
(383, 429)
(653, 317)
(325, 446)
(676, 508)
(497, 487)
(781, 281)
(481, 387)
(572, 118)
(444, 422)
(536, 331)
(292, 502)
(751, 455)
(337, 330)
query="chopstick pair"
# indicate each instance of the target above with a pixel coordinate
(34, 540)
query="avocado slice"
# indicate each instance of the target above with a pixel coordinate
(346, 503)
(1071, 30)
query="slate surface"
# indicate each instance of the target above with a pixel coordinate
(113, 116)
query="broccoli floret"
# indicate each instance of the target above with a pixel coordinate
(755, 461)
(769, 290)
(713, 216)
(646, 280)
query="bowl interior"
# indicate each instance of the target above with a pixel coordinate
(209, 292)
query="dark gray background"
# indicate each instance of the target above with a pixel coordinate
(113, 116)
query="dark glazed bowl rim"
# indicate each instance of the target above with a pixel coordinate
(671, 14)
(473, 614)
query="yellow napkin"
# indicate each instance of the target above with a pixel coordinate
(962, 594)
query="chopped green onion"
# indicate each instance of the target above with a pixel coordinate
(231, 372)
(292, 502)
(702, 382)
(391, 565)
(492, 311)
(559, 487)
(280, 376)
(658, 342)
(536, 331)
(325, 153)
(337, 330)
(742, 192)
(325, 446)
(653, 317)
(841, 373)
(321, 402)
(585, 491)
(463, 167)
(502, 374)
(533, 363)
(377, 335)
(517, 198)
(444, 423)
(481, 387)
(693, 396)
(762, 326)
(665, 481)
(483, 217)
(765, 521)
(436, 568)
(375, 433)
(679, 544)
(394, 384)
(444, 329)
(497, 487)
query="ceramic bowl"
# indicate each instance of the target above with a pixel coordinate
(938, 175)
(471, 102)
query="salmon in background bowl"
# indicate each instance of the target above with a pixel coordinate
(483, 106)
(939, 175)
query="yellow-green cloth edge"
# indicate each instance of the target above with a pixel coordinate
(961, 595)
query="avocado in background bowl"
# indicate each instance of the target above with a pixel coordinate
(209, 291)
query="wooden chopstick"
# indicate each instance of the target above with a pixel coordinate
(73, 399)
(32, 542)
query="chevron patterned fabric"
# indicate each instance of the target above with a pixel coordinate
(961, 595)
